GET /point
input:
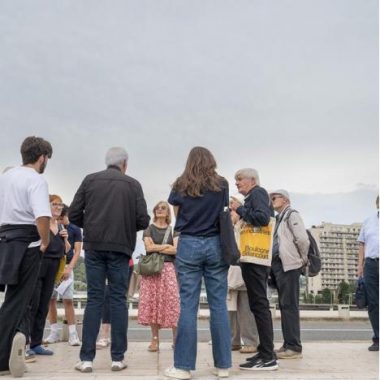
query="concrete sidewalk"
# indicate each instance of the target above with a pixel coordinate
(322, 360)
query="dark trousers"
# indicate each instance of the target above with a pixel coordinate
(41, 298)
(256, 279)
(113, 266)
(106, 305)
(371, 280)
(13, 312)
(288, 288)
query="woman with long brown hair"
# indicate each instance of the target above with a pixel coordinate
(198, 197)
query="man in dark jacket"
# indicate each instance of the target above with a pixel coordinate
(256, 211)
(111, 208)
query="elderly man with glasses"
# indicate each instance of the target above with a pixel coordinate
(290, 248)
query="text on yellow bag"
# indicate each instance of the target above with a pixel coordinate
(256, 243)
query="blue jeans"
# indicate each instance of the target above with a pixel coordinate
(199, 257)
(371, 280)
(99, 266)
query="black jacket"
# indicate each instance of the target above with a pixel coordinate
(257, 208)
(110, 207)
(14, 242)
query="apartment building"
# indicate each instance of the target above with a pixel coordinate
(339, 252)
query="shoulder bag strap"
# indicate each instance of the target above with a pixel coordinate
(166, 237)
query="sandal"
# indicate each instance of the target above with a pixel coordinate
(154, 346)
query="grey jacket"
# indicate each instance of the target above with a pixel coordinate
(293, 240)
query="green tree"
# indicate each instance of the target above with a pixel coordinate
(80, 275)
(344, 291)
(326, 295)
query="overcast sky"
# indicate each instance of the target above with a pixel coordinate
(289, 87)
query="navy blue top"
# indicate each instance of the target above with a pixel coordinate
(75, 235)
(56, 247)
(198, 216)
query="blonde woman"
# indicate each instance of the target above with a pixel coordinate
(159, 299)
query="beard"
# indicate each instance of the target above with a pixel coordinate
(42, 167)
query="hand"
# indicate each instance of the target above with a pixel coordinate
(234, 217)
(360, 270)
(234, 204)
(43, 247)
(66, 272)
(64, 233)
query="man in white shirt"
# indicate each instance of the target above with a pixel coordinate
(368, 267)
(24, 236)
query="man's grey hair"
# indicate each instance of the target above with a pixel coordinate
(116, 156)
(248, 173)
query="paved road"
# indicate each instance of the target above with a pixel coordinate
(311, 331)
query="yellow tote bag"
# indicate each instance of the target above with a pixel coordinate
(256, 243)
(61, 269)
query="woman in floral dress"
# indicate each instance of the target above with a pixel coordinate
(159, 299)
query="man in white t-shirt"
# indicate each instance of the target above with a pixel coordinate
(24, 236)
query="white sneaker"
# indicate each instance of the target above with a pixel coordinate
(84, 366)
(74, 340)
(103, 343)
(52, 338)
(118, 366)
(177, 373)
(220, 372)
(17, 355)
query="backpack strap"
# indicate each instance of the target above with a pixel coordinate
(290, 212)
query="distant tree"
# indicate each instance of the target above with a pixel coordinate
(308, 297)
(80, 275)
(344, 292)
(326, 295)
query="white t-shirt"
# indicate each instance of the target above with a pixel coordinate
(24, 196)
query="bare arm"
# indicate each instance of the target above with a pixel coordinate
(360, 270)
(69, 268)
(168, 249)
(150, 246)
(43, 227)
(171, 249)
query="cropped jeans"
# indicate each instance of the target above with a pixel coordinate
(199, 257)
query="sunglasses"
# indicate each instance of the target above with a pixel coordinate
(59, 205)
(275, 197)
(161, 208)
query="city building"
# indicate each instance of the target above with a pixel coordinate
(339, 253)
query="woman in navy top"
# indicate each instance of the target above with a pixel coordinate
(198, 197)
(57, 247)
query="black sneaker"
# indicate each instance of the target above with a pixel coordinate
(260, 365)
(254, 357)
(374, 347)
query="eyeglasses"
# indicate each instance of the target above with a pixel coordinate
(58, 205)
(277, 196)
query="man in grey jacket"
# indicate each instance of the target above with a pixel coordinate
(290, 248)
